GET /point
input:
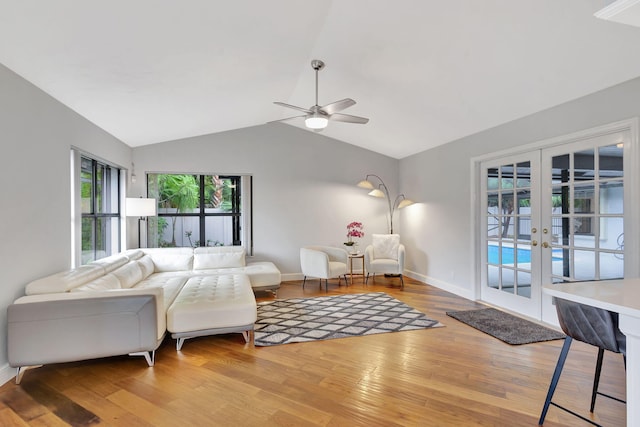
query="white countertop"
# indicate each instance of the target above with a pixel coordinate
(621, 296)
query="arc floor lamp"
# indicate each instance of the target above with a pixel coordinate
(382, 191)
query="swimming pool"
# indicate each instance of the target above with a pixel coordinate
(508, 255)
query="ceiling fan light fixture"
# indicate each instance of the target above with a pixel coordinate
(316, 121)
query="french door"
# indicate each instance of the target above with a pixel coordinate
(552, 215)
(510, 252)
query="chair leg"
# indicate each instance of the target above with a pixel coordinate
(326, 285)
(555, 378)
(596, 379)
(401, 282)
(367, 279)
(304, 281)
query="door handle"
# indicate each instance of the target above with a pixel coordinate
(534, 243)
(545, 244)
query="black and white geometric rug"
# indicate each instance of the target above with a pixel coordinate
(340, 316)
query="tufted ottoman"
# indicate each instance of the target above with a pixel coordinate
(209, 305)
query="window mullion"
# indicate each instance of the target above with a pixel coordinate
(203, 241)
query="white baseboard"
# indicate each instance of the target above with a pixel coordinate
(454, 289)
(292, 276)
(7, 373)
(445, 286)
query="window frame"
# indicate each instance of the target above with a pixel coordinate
(114, 234)
(241, 212)
(103, 176)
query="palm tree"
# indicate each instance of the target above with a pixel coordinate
(180, 192)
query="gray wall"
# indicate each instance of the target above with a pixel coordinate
(437, 232)
(303, 184)
(36, 134)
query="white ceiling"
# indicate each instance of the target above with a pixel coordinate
(425, 72)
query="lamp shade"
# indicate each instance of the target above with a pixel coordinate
(365, 184)
(141, 207)
(376, 192)
(404, 203)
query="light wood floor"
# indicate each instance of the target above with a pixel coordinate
(451, 376)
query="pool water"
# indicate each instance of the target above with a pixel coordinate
(524, 255)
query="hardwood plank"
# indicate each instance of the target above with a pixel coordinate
(10, 418)
(453, 375)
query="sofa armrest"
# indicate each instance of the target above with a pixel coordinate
(67, 327)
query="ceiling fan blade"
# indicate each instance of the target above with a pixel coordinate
(288, 118)
(348, 119)
(282, 104)
(334, 107)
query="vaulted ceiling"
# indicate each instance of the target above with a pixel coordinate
(425, 72)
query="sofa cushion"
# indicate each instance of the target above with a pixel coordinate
(209, 302)
(386, 245)
(171, 259)
(262, 275)
(129, 274)
(146, 265)
(111, 263)
(218, 257)
(134, 254)
(106, 282)
(170, 284)
(65, 280)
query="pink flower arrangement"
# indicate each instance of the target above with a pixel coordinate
(354, 229)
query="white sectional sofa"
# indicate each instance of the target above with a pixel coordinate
(125, 304)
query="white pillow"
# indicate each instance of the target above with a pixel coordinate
(386, 246)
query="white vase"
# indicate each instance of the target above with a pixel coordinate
(352, 249)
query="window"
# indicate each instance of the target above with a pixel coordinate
(200, 210)
(100, 208)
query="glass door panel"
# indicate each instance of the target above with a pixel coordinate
(583, 183)
(510, 224)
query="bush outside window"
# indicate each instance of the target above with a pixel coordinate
(197, 210)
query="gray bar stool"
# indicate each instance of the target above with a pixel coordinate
(591, 325)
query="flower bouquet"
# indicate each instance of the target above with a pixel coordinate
(354, 229)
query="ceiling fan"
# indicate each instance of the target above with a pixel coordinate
(317, 117)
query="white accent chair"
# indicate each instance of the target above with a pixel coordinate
(385, 256)
(323, 262)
